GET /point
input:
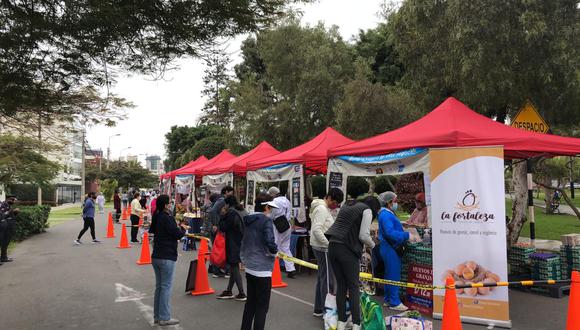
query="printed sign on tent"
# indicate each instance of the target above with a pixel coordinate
(468, 221)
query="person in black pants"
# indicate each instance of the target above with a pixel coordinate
(88, 218)
(7, 224)
(258, 254)
(117, 205)
(346, 238)
(136, 212)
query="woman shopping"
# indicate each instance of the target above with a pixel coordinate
(163, 259)
(346, 237)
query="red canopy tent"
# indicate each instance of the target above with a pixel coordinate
(171, 174)
(312, 154)
(453, 124)
(223, 156)
(239, 164)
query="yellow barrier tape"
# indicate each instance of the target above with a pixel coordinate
(365, 276)
(197, 236)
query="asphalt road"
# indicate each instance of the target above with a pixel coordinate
(55, 285)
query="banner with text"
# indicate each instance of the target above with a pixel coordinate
(468, 221)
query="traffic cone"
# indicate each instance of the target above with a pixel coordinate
(140, 221)
(573, 322)
(110, 228)
(451, 319)
(124, 216)
(124, 243)
(277, 276)
(201, 278)
(145, 258)
(203, 250)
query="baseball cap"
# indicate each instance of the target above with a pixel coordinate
(271, 204)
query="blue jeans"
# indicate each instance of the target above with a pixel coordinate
(163, 281)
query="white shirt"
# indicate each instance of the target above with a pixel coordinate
(284, 208)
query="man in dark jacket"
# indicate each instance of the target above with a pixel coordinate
(258, 254)
(117, 205)
(7, 224)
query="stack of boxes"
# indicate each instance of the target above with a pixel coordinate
(519, 259)
(570, 254)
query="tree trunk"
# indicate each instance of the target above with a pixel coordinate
(371, 183)
(549, 194)
(519, 203)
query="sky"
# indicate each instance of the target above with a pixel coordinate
(177, 99)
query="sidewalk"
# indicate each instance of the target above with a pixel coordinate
(564, 208)
(66, 206)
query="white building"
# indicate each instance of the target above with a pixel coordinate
(154, 164)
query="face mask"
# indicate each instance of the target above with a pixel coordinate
(395, 206)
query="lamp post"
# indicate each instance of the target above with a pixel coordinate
(109, 149)
(121, 152)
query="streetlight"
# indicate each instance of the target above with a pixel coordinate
(121, 152)
(109, 149)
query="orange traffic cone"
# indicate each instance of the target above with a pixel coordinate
(277, 276)
(451, 319)
(145, 258)
(203, 249)
(573, 322)
(124, 216)
(201, 280)
(140, 221)
(110, 228)
(124, 243)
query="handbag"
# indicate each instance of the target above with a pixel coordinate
(281, 224)
(218, 251)
(190, 282)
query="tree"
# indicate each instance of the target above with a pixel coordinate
(182, 138)
(127, 174)
(52, 49)
(216, 110)
(108, 187)
(21, 161)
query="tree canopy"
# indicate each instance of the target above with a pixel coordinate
(127, 174)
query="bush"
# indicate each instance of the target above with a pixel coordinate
(382, 183)
(30, 221)
(318, 186)
(356, 186)
(407, 187)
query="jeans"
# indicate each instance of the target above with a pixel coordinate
(164, 269)
(346, 269)
(235, 276)
(134, 228)
(88, 223)
(324, 274)
(258, 302)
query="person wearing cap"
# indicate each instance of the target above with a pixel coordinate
(258, 252)
(419, 216)
(7, 224)
(391, 237)
(283, 238)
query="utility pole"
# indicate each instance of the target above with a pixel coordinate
(39, 192)
(83, 188)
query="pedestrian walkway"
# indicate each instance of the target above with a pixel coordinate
(564, 208)
(65, 206)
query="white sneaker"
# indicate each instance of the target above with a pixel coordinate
(356, 327)
(341, 326)
(77, 242)
(400, 308)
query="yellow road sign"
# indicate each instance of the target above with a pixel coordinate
(529, 119)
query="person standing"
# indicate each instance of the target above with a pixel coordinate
(163, 259)
(392, 237)
(419, 216)
(215, 217)
(346, 238)
(283, 213)
(136, 212)
(7, 224)
(232, 226)
(117, 205)
(258, 254)
(88, 218)
(322, 220)
(125, 200)
(101, 203)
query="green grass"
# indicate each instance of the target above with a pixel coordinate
(60, 216)
(549, 226)
(576, 201)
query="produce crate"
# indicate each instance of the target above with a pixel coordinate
(569, 260)
(545, 266)
(519, 259)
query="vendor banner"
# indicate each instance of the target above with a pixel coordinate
(469, 230)
(166, 186)
(215, 182)
(292, 173)
(184, 184)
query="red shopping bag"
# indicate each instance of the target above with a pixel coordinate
(218, 250)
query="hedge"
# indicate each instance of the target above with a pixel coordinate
(30, 221)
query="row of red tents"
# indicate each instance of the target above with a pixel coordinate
(451, 124)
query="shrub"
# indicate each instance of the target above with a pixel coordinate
(318, 186)
(31, 220)
(407, 187)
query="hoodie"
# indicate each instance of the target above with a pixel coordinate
(258, 246)
(322, 220)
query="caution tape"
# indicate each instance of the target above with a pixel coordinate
(197, 236)
(366, 276)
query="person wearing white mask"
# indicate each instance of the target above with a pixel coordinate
(282, 230)
(392, 238)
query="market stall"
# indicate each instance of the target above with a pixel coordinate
(167, 180)
(219, 175)
(461, 155)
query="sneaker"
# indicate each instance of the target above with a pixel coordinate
(168, 322)
(226, 295)
(217, 275)
(241, 297)
(77, 242)
(400, 308)
(95, 241)
(7, 260)
(318, 314)
(291, 274)
(155, 321)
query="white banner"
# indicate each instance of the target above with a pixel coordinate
(293, 173)
(184, 184)
(469, 230)
(215, 182)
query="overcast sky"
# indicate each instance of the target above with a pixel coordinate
(177, 99)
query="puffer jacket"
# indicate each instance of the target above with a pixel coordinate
(322, 220)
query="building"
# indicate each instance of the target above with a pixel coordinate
(132, 158)
(154, 165)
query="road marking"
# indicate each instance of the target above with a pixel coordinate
(293, 298)
(125, 293)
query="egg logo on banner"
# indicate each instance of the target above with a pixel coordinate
(468, 211)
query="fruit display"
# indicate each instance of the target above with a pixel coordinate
(470, 272)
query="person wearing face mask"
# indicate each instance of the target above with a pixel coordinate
(419, 216)
(392, 237)
(322, 220)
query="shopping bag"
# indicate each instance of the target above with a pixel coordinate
(190, 282)
(330, 319)
(372, 314)
(397, 322)
(330, 301)
(218, 251)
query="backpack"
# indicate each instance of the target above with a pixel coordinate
(372, 314)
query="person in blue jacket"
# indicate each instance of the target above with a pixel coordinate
(391, 236)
